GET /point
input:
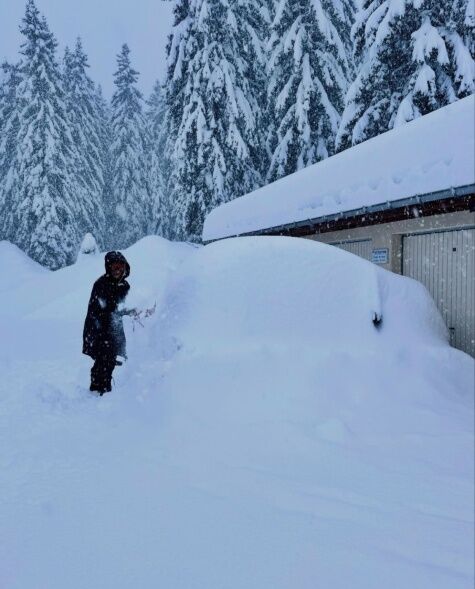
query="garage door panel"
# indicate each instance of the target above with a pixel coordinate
(444, 262)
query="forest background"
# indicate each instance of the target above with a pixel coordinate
(250, 91)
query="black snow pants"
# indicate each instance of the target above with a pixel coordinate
(101, 373)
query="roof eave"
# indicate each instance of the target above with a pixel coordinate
(454, 192)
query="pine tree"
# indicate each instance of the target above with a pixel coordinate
(132, 208)
(343, 14)
(155, 117)
(309, 73)
(81, 105)
(9, 127)
(41, 197)
(103, 114)
(414, 57)
(9, 80)
(177, 65)
(174, 87)
(259, 16)
(464, 14)
(213, 110)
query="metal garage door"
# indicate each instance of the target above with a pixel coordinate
(360, 247)
(445, 263)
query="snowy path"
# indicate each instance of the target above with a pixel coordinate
(221, 463)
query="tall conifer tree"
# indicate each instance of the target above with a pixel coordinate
(309, 73)
(9, 127)
(214, 119)
(131, 211)
(342, 14)
(155, 117)
(84, 123)
(103, 111)
(174, 95)
(42, 198)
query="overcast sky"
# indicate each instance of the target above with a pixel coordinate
(103, 25)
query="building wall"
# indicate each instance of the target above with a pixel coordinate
(389, 235)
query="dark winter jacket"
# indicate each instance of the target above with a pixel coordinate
(103, 330)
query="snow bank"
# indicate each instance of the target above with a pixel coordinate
(433, 153)
(88, 246)
(16, 267)
(264, 434)
(286, 291)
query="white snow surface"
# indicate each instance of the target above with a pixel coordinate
(433, 153)
(16, 268)
(262, 435)
(88, 246)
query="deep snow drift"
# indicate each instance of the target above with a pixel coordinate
(264, 433)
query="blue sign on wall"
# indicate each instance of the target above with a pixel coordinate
(380, 256)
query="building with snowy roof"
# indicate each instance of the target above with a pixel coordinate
(404, 200)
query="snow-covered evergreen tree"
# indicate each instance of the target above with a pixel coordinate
(259, 15)
(177, 65)
(464, 14)
(9, 127)
(9, 80)
(414, 57)
(155, 117)
(267, 10)
(174, 88)
(213, 109)
(41, 198)
(343, 13)
(309, 73)
(266, 17)
(131, 201)
(81, 105)
(103, 114)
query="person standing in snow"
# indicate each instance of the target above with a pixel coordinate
(104, 337)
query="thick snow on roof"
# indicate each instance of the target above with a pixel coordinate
(433, 153)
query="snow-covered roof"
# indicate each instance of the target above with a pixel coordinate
(431, 154)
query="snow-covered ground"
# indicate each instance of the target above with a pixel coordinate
(264, 434)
